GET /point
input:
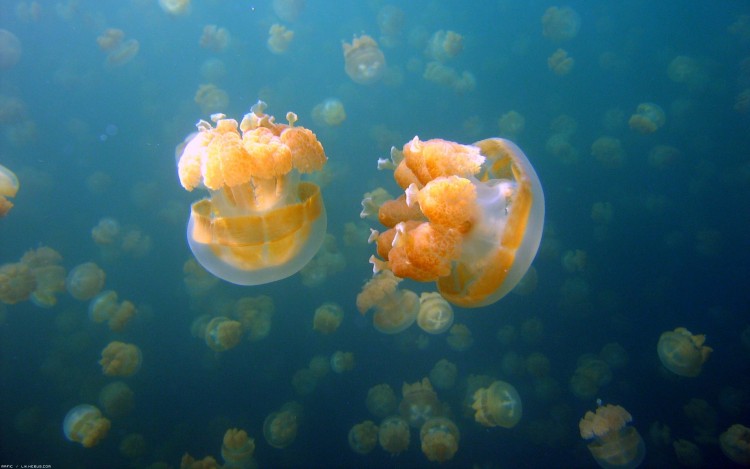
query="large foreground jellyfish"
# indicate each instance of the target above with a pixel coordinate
(261, 223)
(470, 219)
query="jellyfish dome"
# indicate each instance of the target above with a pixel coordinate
(614, 443)
(8, 189)
(683, 353)
(10, 49)
(435, 314)
(85, 281)
(439, 437)
(364, 62)
(498, 405)
(261, 222)
(85, 424)
(471, 218)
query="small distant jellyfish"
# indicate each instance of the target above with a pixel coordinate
(364, 61)
(215, 38)
(435, 313)
(279, 39)
(608, 151)
(237, 449)
(288, 10)
(328, 317)
(85, 281)
(683, 353)
(614, 443)
(439, 437)
(443, 374)
(381, 400)
(497, 405)
(393, 435)
(342, 361)
(10, 49)
(120, 359)
(85, 424)
(175, 7)
(560, 24)
(560, 63)
(330, 113)
(223, 334)
(444, 45)
(280, 428)
(648, 118)
(363, 437)
(735, 444)
(8, 189)
(459, 338)
(511, 124)
(211, 99)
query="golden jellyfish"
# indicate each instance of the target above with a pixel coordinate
(393, 435)
(44, 263)
(390, 22)
(435, 314)
(103, 306)
(106, 231)
(304, 381)
(364, 62)
(237, 449)
(288, 10)
(735, 444)
(223, 333)
(663, 156)
(8, 189)
(280, 428)
(10, 49)
(123, 53)
(211, 98)
(189, 462)
(328, 317)
(459, 338)
(443, 75)
(444, 45)
(279, 38)
(255, 315)
(17, 282)
(419, 403)
(560, 24)
(261, 223)
(497, 405)
(342, 361)
(330, 112)
(443, 374)
(133, 446)
(574, 260)
(608, 151)
(363, 437)
(590, 374)
(198, 281)
(320, 365)
(648, 118)
(120, 359)
(481, 220)
(122, 315)
(85, 424)
(439, 437)
(175, 7)
(85, 281)
(381, 400)
(615, 444)
(688, 453)
(560, 63)
(511, 124)
(215, 38)
(683, 353)
(116, 399)
(327, 261)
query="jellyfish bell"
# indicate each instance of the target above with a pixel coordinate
(10, 49)
(364, 62)
(9, 186)
(85, 424)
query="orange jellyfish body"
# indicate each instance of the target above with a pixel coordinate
(8, 189)
(480, 220)
(85, 424)
(497, 405)
(683, 353)
(614, 443)
(261, 223)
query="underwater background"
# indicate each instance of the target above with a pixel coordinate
(635, 116)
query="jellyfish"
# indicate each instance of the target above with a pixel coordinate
(44, 263)
(288, 10)
(319, 365)
(390, 22)
(8, 189)
(511, 124)
(497, 405)
(330, 112)
(443, 75)
(444, 45)
(121, 316)
(10, 49)
(560, 63)
(261, 223)
(381, 400)
(591, 373)
(615, 444)
(85, 424)
(435, 314)
(237, 449)
(683, 353)
(215, 38)
(17, 282)
(459, 338)
(363, 437)
(198, 281)
(223, 333)
(116, 399)
(85, 281)
(735, 444)
(419, 403)
(123, 54)
(328, 317)
(304, 381)
(688, 454)
(574, 260)
(439, 437)
(211, 98)
(279, 39)
(255, 314)
(133, 445)
(103, 306)
(175, 7)
(364, 62)
(120, 359)
(538, 365)
(648, 118)
(395, 310)
(106, 231)
(393, 435)
(342, 361)
(482, 213)
(608, 151)
(327, 261)
(560, 24)
(280, 428)
(443, 374)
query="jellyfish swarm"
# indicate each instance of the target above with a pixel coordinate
(614, 445)
(470, 219)
(261, 223)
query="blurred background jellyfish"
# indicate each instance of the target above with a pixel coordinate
(419, 403)
(560, 24)
(560, 63)
(443, 374)
(120, 359)
(261, 223)
(198, 281)
(17, 282)
(511, 124)
(175, 7)
(327, 318)
(497, 405)
(280, 428)
(223, 334)
(683, 353)
(85, 281)
(8, 189)
(116, 399)
(393, 435)
(288, 10)
(444, 45)
(342, 361)
(439, 437)
(608, 151)
(381, 401)
(363, 437)
(211, 99)
(460, 338)
(255, 314)
(648, 118)
(85, 424)
(390, 22)
(44, 263)
(735, 444)
(395, 310)
(435, 314)
(479, 223)
(364, 62)
(237, 449)
(327, 261)
(279, 38)
(329, 113)
(119, 51)
(615, 444)
(10, 50)
(215, 38)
